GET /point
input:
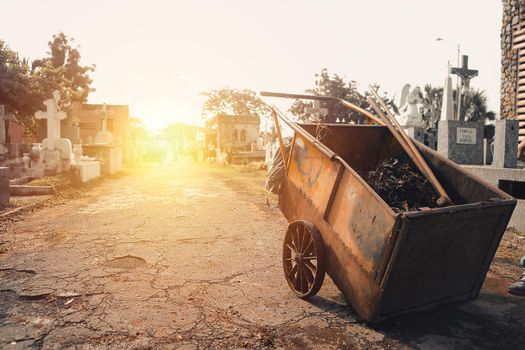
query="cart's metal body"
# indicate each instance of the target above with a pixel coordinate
(384, 262)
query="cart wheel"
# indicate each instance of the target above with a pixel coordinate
(303, 259)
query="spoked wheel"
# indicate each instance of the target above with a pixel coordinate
(303, 259)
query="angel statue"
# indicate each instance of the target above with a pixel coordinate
(410, 107)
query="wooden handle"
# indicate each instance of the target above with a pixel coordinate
(409, 147)
(345, 103)
(280, 137)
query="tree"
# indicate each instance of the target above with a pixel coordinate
(235, 102)
(23, 90)
(62, 71)
(474, 106)
(336, 86)
(432, 100)
(15, 82)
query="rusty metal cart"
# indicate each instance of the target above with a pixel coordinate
(385, 263)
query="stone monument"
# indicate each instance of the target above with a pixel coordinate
(410, 113)
(447, 107)
(465, 74)
(57, 151)
(410, 108)
(459, 140)
(505, 144)
(103, 147)
(103, 136)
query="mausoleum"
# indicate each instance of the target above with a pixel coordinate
(90, 119)
(234, 134)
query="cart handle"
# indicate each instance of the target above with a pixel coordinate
(345, 103)
(281, 141)
(409, 147)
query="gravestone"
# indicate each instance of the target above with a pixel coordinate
(460, 141)
(103, 147)
(56, 151)
(4, 185)
(506, 144)
(103, 136)
(53, 116)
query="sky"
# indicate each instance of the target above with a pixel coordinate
(158, 56)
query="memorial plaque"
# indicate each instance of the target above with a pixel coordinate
(461, 142)
(466, 136)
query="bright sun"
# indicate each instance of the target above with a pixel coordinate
(159, 113)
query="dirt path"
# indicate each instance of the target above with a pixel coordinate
(188, 256)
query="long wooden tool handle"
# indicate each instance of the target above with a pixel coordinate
(444, 199)
(394, 132)
(414, 153)
(280, 137)
(347, 104)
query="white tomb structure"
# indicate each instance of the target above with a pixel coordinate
(105, 148)
(56, 154)
(103, 136)
(87, 168)
(56, 151)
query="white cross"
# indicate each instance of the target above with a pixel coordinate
(53, 116)
(104, 112)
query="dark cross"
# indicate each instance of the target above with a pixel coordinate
(465, 74)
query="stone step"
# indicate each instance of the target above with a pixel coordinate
(24, 190)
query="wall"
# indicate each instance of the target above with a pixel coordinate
(16, 134)
(509, 60)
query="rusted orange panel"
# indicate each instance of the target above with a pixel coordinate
(362, 222)
(356, 284)
(312, 172)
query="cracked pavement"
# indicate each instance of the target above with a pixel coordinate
(184, 255)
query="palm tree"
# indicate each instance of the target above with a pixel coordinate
(432, 99)
(474, 105)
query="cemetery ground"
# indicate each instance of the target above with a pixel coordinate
(187, 255)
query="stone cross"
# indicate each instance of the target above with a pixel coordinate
(465, 74)
(104, 112)
(53, 116)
